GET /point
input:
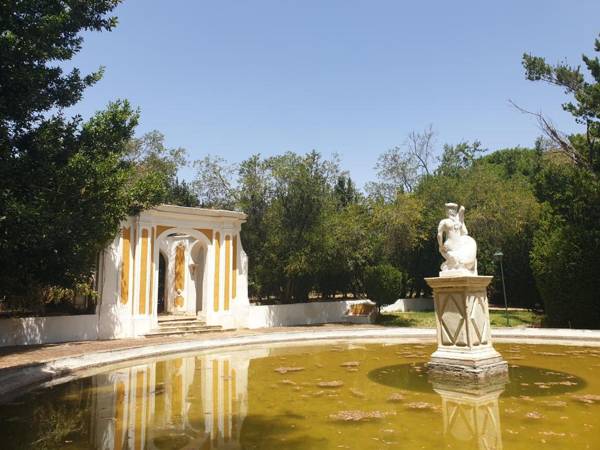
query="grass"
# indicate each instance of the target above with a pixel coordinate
(426, 319)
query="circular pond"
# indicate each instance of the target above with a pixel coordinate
(350, 395)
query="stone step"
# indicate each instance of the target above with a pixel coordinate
(181, 324)
(190, 329)
(181, 318)
(183, 332)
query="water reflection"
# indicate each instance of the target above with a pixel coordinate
(195, 402)
(342, 396)
(471, 415)
(524, 380)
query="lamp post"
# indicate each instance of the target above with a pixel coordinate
(498, 257)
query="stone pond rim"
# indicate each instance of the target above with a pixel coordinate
(17, 380)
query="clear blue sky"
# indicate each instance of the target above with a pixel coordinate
(233, 78)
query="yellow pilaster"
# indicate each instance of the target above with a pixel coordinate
(234, 269)
(217, 268)
(125, 261)
(152, 239)
(144, 272)
(227, 270)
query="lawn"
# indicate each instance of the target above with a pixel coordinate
(426, 319)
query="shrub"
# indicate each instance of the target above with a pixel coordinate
(383, 284)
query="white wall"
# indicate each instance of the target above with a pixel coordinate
(47, 330)
(409, 304)
(303, 314)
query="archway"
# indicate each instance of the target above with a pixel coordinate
(162, 283)
(180, 271)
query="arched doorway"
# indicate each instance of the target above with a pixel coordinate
(181, 272)
(162, 282)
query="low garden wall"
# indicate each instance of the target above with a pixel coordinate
(54, 329)
(312, 313)
(48, 330)
(410, 304)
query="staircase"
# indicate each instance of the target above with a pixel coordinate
(180, 326)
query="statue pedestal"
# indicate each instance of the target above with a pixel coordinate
(463, 329)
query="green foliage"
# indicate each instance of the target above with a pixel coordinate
(502, 214)
(35, 38)
(153, 177)
(383, 284)
(181, 193)
(214, 183)
(64, 184)
(566, 254)
(514, 162)
(301, 197)
(584, 105)
(401, 168)
(62, 200)
(306, 228)
(346, 250)
(457, 157)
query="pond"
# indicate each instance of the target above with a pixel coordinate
(340, 395)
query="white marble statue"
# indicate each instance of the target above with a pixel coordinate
(459, 249)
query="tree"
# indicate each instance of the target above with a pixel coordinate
(566, 254)
(254, 198)
(302, 196)
(396, 231)
(35, 38)
(383, 284)
(346, 250)
(458, 157)
(154, 170)
(401, 168)
(215, 182)
(583, 150)
(65, 184)
(503, 216)
(181, 193)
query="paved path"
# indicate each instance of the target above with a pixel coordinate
(26, 355)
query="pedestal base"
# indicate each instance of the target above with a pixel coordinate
(490, 371)
(465, 348)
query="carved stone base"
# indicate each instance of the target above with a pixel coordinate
(445, 370)
(465, 348)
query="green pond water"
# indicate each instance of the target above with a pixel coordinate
(327, 396)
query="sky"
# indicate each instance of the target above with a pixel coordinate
(233, 78)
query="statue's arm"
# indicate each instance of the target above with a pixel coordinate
(440, 235)
(461, 219)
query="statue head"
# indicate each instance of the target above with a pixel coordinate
(451, 210)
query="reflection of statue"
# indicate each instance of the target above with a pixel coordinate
(459, 249)
(471, 414)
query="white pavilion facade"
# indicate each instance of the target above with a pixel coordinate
(173, 260)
